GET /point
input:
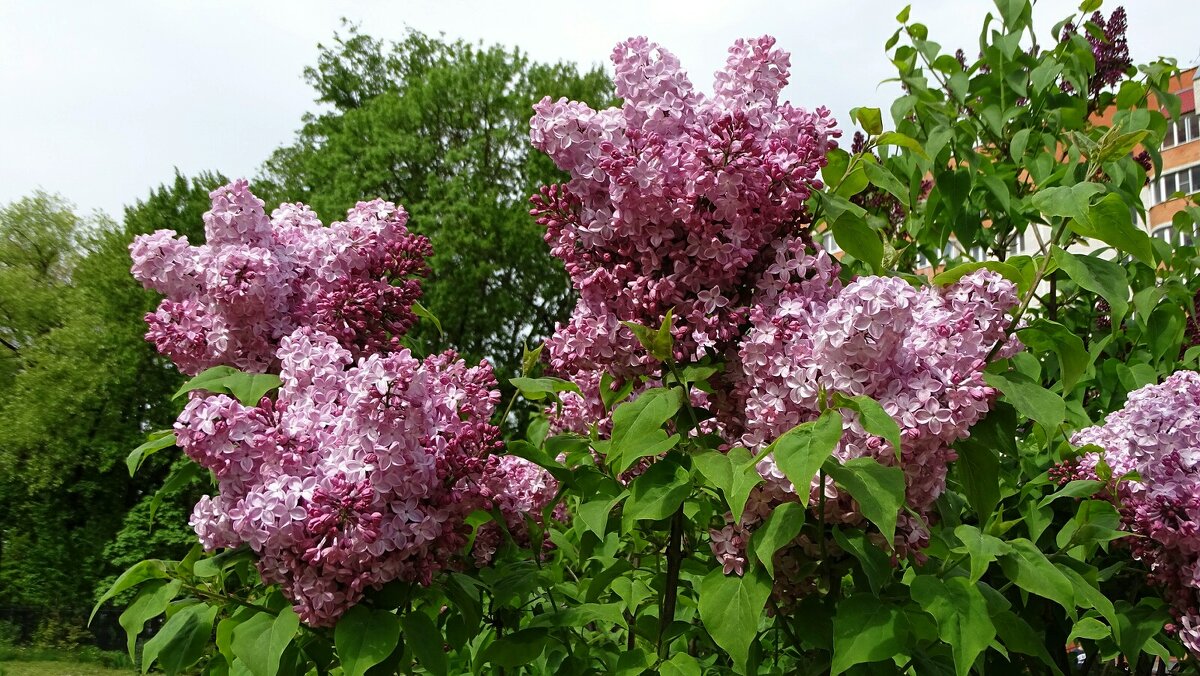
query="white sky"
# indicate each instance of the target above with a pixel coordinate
(99, 101)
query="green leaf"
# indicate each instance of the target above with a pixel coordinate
(876, 565)
(181, 475)
(961, 614)
(856, 238)
(248, 388)
(780, 528)
(364, 638)
(982, 549)
(1089, 628)
(181, 641)
(518, 648)
(881, 177)
(873, 418)
(1110, 221)
(871, 119)
(1080, 488)
(158, 441)
(959, 271)
(658, 342)
(730, 607)
(802, 450)
(1019, 142)
(878, 490)
(895, 138)
(261, 641)
(1030, 570)
(152, 600)
(1030, 398)
(637, 427)
(1067, 201)
(150, 569)
(1044, 335)
(836, 163)
(658, 491)
(537, 389)
(978, 471)
(424, 313)
(1099, 276)
(680, 664)
(594, 514)
(1017, 636)
(866, 629)
(734, 473)
(422, 635)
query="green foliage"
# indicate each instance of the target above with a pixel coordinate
(443, 128)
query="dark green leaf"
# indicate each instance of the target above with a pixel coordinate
(1030, 398)
(1044, 335)
(734, 473)
(1068, 201)
(638, 427)
(866, 629)
(1098, 276)
(1110, 221)
(982, 549)
(658, 491)
(780, 528)
(515, 649)
(364, 638)
(857, 239)
(1030, 570)
(181, 641)
(895, 138)
(422, 635)
(873, 418)
(152, 600)
(150, 569)
(158, 441)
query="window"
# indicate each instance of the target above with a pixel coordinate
(1185, 181)
(1168, 234)
(1182, 130)
(978, 253)
(829, 243)
(1017, 244)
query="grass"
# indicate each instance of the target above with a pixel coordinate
(49, 662)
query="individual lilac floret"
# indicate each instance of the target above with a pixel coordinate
(231, 300)
(1157, 435)
(356, 475)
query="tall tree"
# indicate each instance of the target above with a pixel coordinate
(85, 391)
(443, 128)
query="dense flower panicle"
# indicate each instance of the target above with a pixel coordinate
(672, 198)
(1157, 435)
(919, 352)
(357, 475)
(520, 490)
(256, 279)
(1110, 52)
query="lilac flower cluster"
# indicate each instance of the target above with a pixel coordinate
(354, 476)
(1110, 49)
(672, 198)
(1157, 435)
(256, 279)
(678, 201)
(359, 472)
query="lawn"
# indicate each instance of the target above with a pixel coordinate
(58, 668)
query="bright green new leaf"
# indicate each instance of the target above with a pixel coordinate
(895, 138)
(734, 473)
(658, 342)
(730, 607)
(247, 388)
(874, 419)
(364, 638)
(961, 614)
(802, 450)
(978, 472)
(537, 389)
(878, 490)
(638, 427)
(871, 119)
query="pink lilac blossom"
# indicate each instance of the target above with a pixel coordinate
(1157, 435)
(521, 491)
(696, 204)
(256, 279)
(356, 475)
(671, 199)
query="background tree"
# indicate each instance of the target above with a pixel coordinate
(443, 128)
(85, 390)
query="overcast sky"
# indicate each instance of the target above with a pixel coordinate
(99, 101)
